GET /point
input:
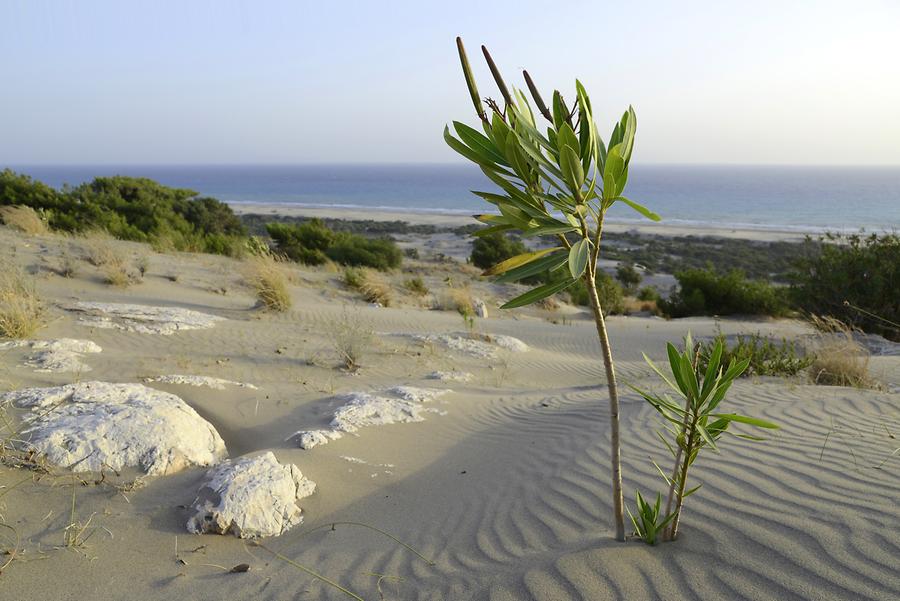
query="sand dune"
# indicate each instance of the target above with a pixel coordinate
(507, 493)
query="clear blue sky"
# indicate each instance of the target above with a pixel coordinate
(794, 82)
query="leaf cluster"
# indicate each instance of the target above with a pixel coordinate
(550, 182)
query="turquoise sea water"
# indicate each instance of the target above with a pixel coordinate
(800, 198)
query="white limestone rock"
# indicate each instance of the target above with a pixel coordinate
(400, 404)
(451, 376)
(90, 426)
(144, 319)
(250, 497)
(56, 356)
(484, 346)
(214, 383)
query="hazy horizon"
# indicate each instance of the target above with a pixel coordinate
(798, 83)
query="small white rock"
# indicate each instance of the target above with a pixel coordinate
(250, 497)
(481, 310)
(144, 319)
(214, 383)
(60, 355)
(400, 404)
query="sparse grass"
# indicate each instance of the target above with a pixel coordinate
(21, 309)
(117, 273)
(636, 305)
(267, 278)
(66, 267)
(372, 288)
(416, 285)
(98, 249)
(351, 338)
(455, 299)
(22, 218)
(839, 359)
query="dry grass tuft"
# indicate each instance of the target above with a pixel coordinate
(416, 285)
(839, 359)
(22, 218)
(455, 299)
(372, 288)
(267, 278)
(21, 309)
(98, 249)
(634, 305)
(117, 273)
(351, 337)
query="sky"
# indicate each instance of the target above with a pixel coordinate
(219, 82)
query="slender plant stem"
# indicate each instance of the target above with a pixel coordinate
(667, 533)
(615, 454)
(682, 480)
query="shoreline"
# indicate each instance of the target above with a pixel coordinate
(448, 219)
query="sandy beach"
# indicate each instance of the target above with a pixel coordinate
(450, 220)
(501, 486)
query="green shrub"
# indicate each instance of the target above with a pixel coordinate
(493, 248)
(767, 357)
(648, 293)
(612, 297)
(628, 276)
(304, 242)
(359, 251)
(853, 278)
(313, 243)
(705, 292)
(130, 208)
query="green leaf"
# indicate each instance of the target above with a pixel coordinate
(487, 231)
(629, 126)
(471, 154)
(548, 263)
(751, 421)
(578, 257)
(640, 209)
(478, 142)
(519, 260)
(546, 226)
(538, 293)
(567, 138)
(570, 166)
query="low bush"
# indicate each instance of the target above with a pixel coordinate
(766, 356)
(628, 276)
(612, 297)
(854, 279)
(705, 292)
(648, 293)
(313, 243)
(359, 251)
(130, 208)
(493, 248)
(21, 309)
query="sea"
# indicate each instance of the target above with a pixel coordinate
(802, 199)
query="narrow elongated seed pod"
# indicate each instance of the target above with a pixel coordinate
(537, 98)
(470, 80)
(497, 77)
